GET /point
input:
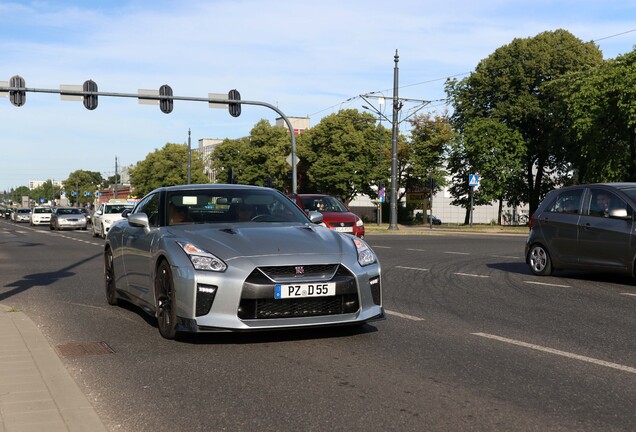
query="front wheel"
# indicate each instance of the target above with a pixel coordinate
(166, 301)
(539, 261)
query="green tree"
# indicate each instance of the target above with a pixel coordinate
(46, 192)
(253, 158)
(601, 107)
(17, 194)
(80, 186)
(495, 152)
(511, 86)
(167, 166)
(339, 156)
(430, 139)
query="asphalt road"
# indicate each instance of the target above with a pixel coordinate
(472, 341)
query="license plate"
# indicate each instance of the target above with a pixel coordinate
(304, 290)
(343, 229)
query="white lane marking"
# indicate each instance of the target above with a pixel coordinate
(471, 275)
(417, 250)
(401, 315)
(412, 268)
(548, 284)
(457, 253)
(558, 352)
(629, 294)
(506, 256)
(381, 247)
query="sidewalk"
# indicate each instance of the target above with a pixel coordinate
(37, 393)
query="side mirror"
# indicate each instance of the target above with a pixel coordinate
(619, 213)
(139, 220)
(125, 213)
(315, 217)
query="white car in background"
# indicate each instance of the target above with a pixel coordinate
(40, 216)
(107, 214)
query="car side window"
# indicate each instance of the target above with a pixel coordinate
(603, 201)
(567, 202)
(150, 206)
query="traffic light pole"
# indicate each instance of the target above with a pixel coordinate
(17, 92)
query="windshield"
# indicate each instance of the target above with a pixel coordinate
(41, 210)
(231, 206)
(69, 211)
(24, 211)
(323, 204)
(116, 209)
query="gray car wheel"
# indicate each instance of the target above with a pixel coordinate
(166, 301)
(109, 278)
(539, 260)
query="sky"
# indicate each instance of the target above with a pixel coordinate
(308, 59)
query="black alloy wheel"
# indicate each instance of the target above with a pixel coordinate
(166, 301)
(109, 278)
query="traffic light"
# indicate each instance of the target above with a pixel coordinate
(268, 181)
(17, 97)
(233, 107)
(90, 101)
(165, 105)
(230, 176)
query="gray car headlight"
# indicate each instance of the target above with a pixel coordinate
(202, 260)
(365, 254)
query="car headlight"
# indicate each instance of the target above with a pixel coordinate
(202, 260)
(359, 223)
(365, 254)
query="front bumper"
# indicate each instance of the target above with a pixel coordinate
(241, 301)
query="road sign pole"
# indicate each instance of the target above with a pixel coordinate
(471, 205)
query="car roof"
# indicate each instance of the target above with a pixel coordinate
(208, 186)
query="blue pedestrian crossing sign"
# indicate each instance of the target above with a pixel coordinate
(473, 180)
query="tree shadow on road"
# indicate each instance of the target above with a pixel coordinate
(42, 279)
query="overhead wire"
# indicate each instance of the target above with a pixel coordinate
(351, 99)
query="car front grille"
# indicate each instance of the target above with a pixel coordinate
(285, 273)
(258, 302)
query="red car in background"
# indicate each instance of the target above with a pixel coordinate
(335, 214)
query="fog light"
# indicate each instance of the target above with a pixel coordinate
(376, 290)
(205, 298)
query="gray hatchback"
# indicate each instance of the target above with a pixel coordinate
(589, 227)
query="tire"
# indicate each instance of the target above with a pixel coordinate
(103, 234)
(51, 227)
(166, 309)
(109, 279)
(539, 260)
(93, 230)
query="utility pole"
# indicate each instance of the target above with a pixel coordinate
(116, 179)
(189, 160)
(397, 105)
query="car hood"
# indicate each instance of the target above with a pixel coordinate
(254, 239)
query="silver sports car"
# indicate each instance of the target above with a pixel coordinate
(209, 258)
